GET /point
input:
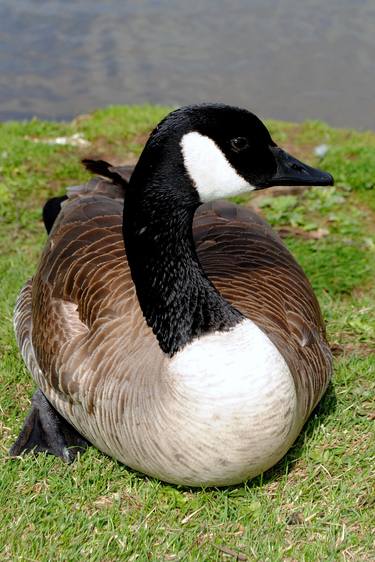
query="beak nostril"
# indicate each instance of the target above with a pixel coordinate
(297, 167)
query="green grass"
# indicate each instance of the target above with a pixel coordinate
(318, 502)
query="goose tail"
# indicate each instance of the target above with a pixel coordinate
(119, 175)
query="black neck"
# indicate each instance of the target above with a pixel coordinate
(177, 299)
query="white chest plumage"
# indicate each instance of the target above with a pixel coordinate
(234, 403)
(222, 410)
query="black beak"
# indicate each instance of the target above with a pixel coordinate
(291, 171)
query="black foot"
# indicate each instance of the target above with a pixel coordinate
(45, 430)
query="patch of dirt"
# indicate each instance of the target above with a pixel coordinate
(286, 231)
(301, 151)
(295, 518)
(101, 149)
(117, 153)
(363, 349)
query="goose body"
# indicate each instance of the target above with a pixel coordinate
(181, 338)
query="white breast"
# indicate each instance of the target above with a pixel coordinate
(234, 407)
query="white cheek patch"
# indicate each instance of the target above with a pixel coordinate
(214, 177)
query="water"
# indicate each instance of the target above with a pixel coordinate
(284, 59)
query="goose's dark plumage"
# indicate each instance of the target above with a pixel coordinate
(116, 372)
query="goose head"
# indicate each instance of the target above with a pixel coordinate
(227, 151)
(196, 154)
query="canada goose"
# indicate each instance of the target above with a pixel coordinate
(198, 357)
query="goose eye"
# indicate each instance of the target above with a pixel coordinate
(239, 143)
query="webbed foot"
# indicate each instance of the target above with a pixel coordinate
(45, 430)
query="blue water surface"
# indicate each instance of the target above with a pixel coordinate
(284, 59)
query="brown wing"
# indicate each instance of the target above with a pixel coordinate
(83, 297)
(248, 263)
